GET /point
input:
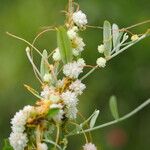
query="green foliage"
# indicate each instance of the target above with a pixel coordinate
(64, 45)
(44, 67)
(7, 145)
(94, 118)
(107, 38)
(113, 107)
(53, 112)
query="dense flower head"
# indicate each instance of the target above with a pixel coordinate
(72, 34)
(19, 120)
(101, 48)
(89, 146)
(78, 44)
(101, 62)
(74, 69)
(70, 100)
(77, 87)
(80, 18)
(18, 140)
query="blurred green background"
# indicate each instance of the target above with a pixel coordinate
(127, 76)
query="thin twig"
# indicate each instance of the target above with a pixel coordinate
(139, 108)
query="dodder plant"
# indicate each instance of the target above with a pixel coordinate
(49, 123)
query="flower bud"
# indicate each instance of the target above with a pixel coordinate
(101, 48)
(135, 37)
(101, 62)
(47, 77)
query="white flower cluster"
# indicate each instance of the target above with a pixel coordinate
(77, 42)
(101, 62)
(70, 100)
(74, 69)
(79, 18)
(49, 93)
(89, 146)
(18, 139)
(77, 87)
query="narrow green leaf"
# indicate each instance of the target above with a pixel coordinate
(64, 45)
(7, 145)
(44, 66)
(94, 118)
(113, 107)
(115, 33)
(125, 37)
(53, 112)
(107, 38)
(118, 42)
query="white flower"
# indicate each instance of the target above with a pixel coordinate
(72, 34)
(18, 140)
(81, 62)
(89, 146)
(60, 83)
(47, 77)
(72, 112)
(135, 37)
(19, 120)
(75, 52)
(80, 18)
(47, 92)
(56, 55)
(73, 70)
(101, 48)
(77, 87)
(42, 146)
(78, 44)
(101, 62)
(70, 100)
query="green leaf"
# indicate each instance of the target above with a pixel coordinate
(125, 37)
(94, 118)
(118, 42)
(115, 33)
(107, 38)
(64, 45)
(7, 145)
(113, 107)
(44, 66)
(53, 112)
